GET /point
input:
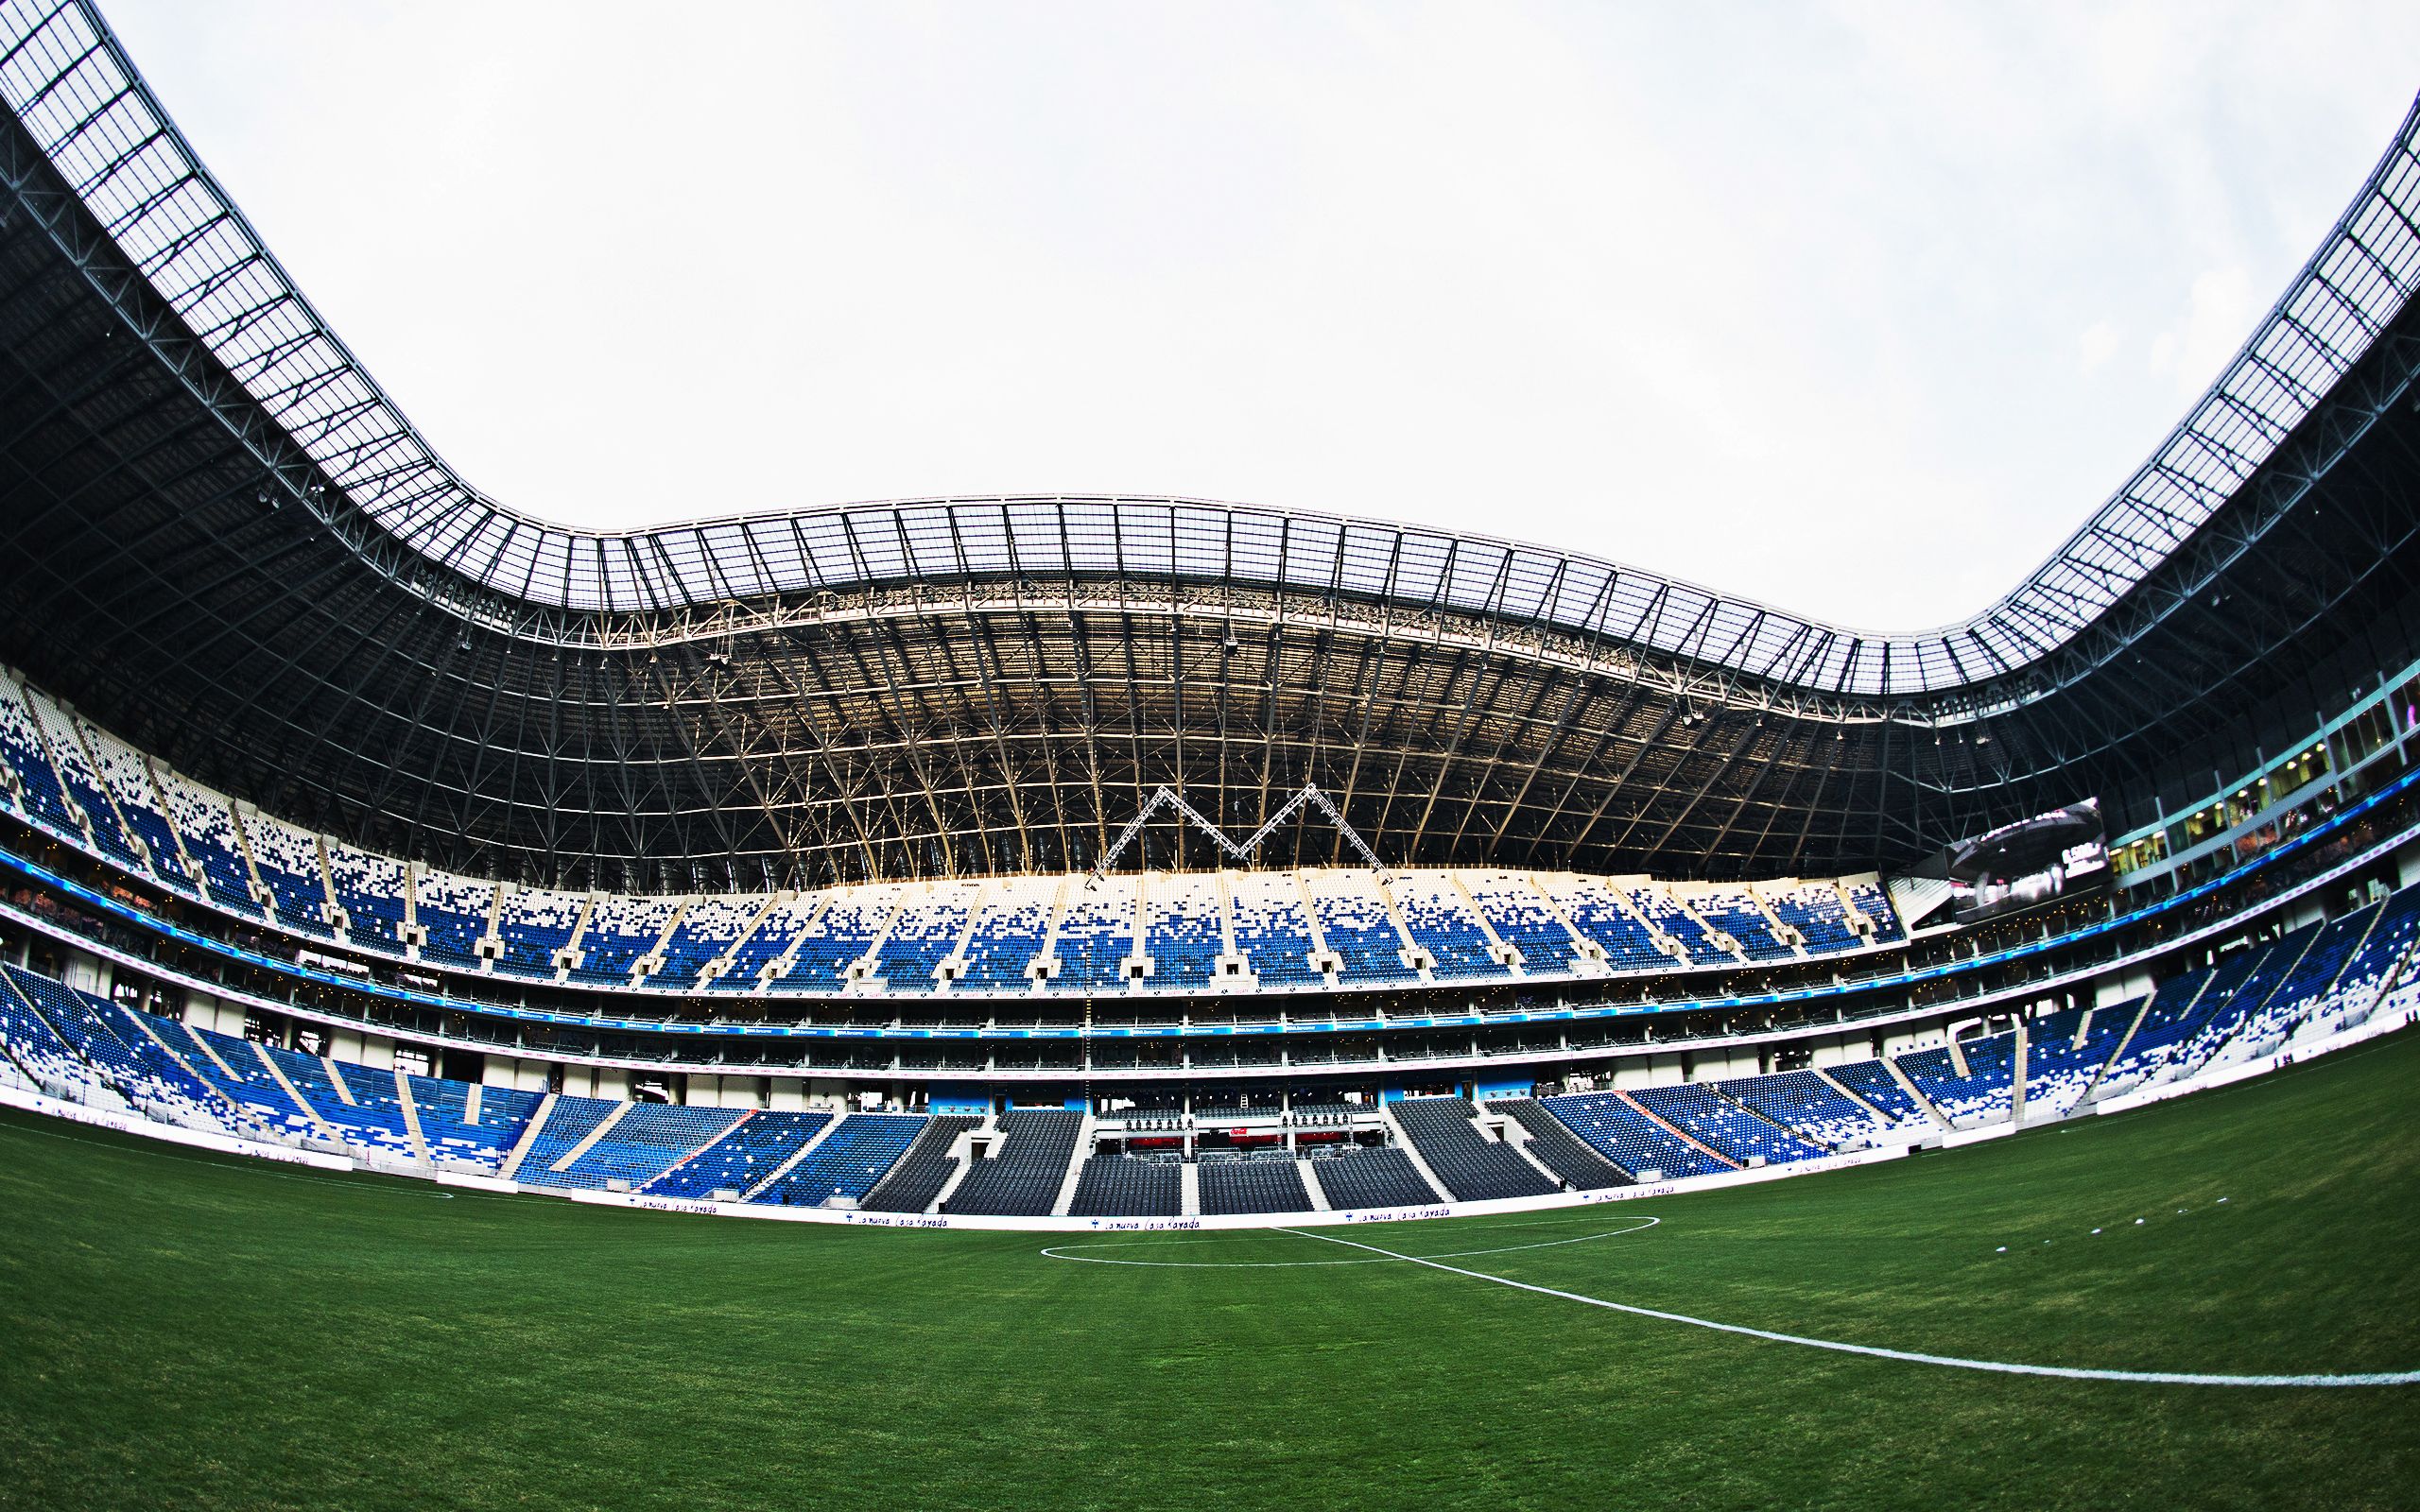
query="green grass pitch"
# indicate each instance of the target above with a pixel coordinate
(183, 1330)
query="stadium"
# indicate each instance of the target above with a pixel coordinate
(1341, 1004)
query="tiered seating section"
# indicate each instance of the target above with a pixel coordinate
(1472, 1168)
(82, 785)
(924, 1170)
(1024, 1176)
(1229, 1187)
(1644, 1149)
(849, 1163)
(1373, 1179)
(1115, 1186)
(744, 1158)
(1554, 1146)
(1727, 1127)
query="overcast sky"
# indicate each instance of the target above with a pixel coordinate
(1858, 309)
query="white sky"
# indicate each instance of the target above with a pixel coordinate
(1858, 309)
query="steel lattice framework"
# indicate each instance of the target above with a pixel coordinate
(237, 552)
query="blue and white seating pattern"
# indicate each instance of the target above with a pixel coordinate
(744, 1158)
(1738, 914)
(1805, 1103)
(1816, 911)
(39, 791)
(708, 928)
(534, 925)
(1700, 1110)
(1185, 936)
(84, 785)
(852, 1160)
(452, 913)
(1597, 911)
(1620, 1132)
(287, 859)
(1096, 935)
(207, 826)
(1442, 923)
(925, 933)
(1873, 1083)
(1875, 903)
(1008, 935)
(1983, 1092)
(374, 1126)
(369, 892)
(81, 784)
(1668, 914)
(1522, 918)
(450, 1132)
(1272, 933)
(1358, 931)
(2065, 1051)
(646, 1141)
(621, 929)
(128, 778)
(839, 938)
(568, 1122)
(775, 933)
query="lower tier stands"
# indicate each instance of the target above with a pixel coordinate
(1870, 1083)
(1114, 1186)
(1700, 1111)
(1979, 1094)
(1229, 1187)
(1373, 1179)
(478, 1131)
(1024, 1176)
(927, 1166)
(567, 1122)
(1473, 1167)
(1559, 1150)
(1801, 1101)
(850, 1162)
(2064, 1052)
(2259, 998)
(1615, 1127)
(735, 1165)
(646, 1141)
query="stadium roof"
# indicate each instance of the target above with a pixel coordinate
(914, 602)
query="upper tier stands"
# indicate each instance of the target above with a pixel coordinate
(1184, 934)
(923, 934)
(1518, 908)
(620, 932)
(534, 926)
(1305, 930)
(837, 937)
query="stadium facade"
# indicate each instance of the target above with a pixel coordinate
(890, 854)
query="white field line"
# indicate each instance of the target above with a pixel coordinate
(2164, 1378)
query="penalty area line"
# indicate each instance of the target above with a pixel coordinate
(2163, 1377)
